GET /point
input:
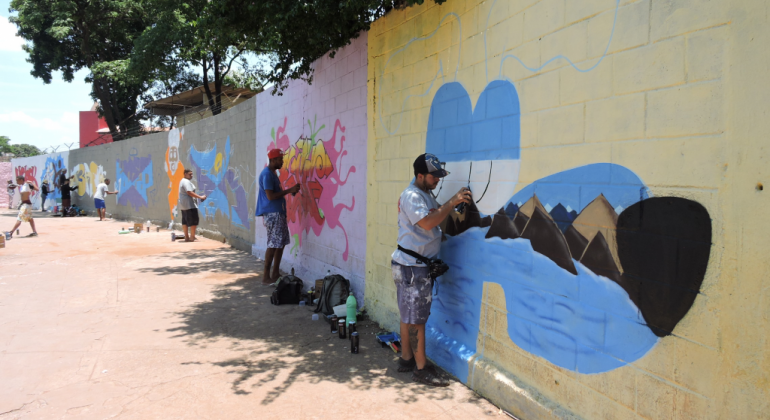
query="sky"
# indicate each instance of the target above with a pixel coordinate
(32, 112)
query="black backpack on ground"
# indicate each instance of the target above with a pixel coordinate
(335, 291)
(287, 291)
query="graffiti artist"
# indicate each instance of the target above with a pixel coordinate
(188, 204)
(419, 217)
(11, 190)
(25, 211)
(64, 186)
(271, 205)
(44, 190)
(101, 193)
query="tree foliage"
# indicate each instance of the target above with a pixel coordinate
(68, 35)
(25, 150)
(5, 146)
(146, 48)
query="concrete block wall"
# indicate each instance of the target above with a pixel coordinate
(6, 174)
(322, 128)
(625, 105)
(146, 171)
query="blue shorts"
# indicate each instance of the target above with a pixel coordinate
(99, 204)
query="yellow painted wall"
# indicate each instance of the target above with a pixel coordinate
(680, 99)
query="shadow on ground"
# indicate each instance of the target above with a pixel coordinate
(219, 260)
(282, 345)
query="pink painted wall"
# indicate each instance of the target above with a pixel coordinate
(322, 127)
(6, 173)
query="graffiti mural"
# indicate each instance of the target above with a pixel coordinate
(53, 164)
(594, 269)
(37, 169)
(314, 163)
(88, 177)
(586, 288)
(215, 178)
(134, 178)
(174, 169)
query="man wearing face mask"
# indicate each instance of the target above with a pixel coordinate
(419, 217)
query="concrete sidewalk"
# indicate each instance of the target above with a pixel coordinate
(97, 325)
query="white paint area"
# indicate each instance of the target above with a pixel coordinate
(502, 182)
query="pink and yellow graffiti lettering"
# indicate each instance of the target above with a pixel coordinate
(315, 164)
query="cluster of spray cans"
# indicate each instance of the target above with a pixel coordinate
(338, 327)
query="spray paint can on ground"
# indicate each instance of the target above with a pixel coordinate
(354, 343)
(334, 324)
(341, 327)
(351, 329)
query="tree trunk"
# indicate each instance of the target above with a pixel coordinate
(217, 85)
(209, 96)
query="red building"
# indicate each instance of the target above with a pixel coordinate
(93, 130)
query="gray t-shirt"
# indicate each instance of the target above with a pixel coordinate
(413, 205)
(185, 201)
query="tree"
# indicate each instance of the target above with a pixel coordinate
(25, 150)
(5, 147)
(183, 81)
(293, 34)
(188, 33)
(68, 35)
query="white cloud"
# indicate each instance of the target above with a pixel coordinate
(8, 39)
(68, 122)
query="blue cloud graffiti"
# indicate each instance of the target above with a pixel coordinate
(215, 178)
(553, 248)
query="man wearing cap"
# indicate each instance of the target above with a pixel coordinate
(419, 217)
(271, 205)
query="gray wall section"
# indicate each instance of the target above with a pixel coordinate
(228, 178)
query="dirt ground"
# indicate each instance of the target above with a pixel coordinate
(97, 325)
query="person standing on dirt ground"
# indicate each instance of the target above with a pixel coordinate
(44, 191)
(11, 190)
(102, 191)
(271, 205)
(188, 204)
(25, 211)
(64, 186)
(419, 217)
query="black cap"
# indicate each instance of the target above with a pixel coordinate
(428, 163)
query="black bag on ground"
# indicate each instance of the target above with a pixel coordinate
(335, 291)
(288, 291)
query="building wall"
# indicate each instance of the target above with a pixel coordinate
(611, 266)
(322, 128)
(146, 172)
(6, 174)
(90, 123)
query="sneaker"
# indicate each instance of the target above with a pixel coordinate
(429, 376)
(406, 365)
(32, 234)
